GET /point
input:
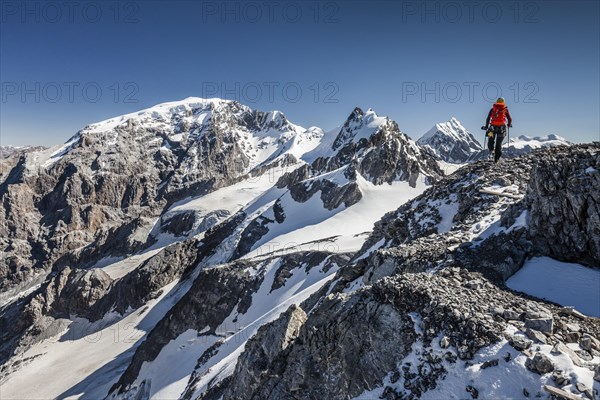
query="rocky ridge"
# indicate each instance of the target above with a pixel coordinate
(462, 307)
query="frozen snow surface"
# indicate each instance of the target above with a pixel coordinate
(567, 284)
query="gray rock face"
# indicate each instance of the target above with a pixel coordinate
(179, 224)
(536, 335)
(367, 144)
(519, 343)
(279, 334)
(10, 155)
(456, 300)
(381, 154)
(214, 295)
(332, 195)
(322, 360)
(432, 272)
(564, 199)
(421, 217)
(146, 281)
(102, 193)
(439, 301)
(73, 292)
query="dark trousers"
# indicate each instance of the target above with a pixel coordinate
(495, 142)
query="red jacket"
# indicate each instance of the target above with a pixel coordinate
(498, 115)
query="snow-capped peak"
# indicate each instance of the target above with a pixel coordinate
(359, 125)
(162, 111)
(451, 141)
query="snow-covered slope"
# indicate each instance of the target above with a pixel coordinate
(568, 284)
(451, 142)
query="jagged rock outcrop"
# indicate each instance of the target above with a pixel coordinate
(564, 203)
(456, 208)
(279, 335)
(381, 152)
(72, 292)
(214, 295)
(10, 155)
(367, 147)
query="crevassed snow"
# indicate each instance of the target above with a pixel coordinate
(564, 283)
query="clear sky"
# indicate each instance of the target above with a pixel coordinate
(66, 64)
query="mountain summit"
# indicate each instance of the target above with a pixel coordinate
(451, 142)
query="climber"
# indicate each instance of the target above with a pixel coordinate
(495, 126)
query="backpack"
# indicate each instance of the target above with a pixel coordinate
(498, 114)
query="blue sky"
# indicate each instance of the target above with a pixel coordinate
(64, 65)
